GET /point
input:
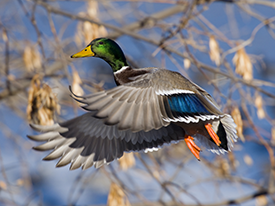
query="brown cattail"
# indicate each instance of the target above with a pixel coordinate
(42, 103)
(214, 52)
(127, 161)
(236, 115)
(32, 58)
(117, 197)
(259, 106)
(243, 64)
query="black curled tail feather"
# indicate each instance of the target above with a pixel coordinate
(222, 135)
(226, 130)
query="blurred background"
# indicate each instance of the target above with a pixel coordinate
(225, 46)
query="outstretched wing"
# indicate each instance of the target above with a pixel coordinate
(151, 101)
(86, 141)
(128, 107)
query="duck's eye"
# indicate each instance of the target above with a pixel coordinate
(85, 49)
(101, 42)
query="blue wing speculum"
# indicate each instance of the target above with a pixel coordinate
(187, 108)
(187, 104)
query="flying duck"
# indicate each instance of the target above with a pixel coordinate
(149, 107)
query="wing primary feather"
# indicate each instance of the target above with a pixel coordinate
(115, 115)
(121, 92)
(91, 146)
(107, 109)
(89, 162)
(58, 152)
(78, 162)
(138, 123)
(140, 97)
(69, 157)
(52, 144)
(128, 117)
(147, 111)
(48, 128)
(156, 119)
(104, 150)
(86, 96)
(133, 96)
(122, 125)
(126, 95)
(44, 137)
(90, 100)
(110, 157)
(96, 105)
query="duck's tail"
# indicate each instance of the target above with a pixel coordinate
(225, 128)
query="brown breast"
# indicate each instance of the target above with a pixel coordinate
(125, 75)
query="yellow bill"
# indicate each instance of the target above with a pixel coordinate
(87, 52)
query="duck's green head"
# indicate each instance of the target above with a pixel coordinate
(105, 49)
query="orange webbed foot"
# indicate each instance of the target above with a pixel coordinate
(192, 146)
(213, 134)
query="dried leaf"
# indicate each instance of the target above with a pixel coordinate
(259, 106)
(86, 31)
(261, 200)
(232, 161)
(273, 135)
(102, 31)
(32, 58)
(117, 197)
(97, 87)
(42, 103)
(214, 52)
(11, 77)
(4, 35)
(76, 88)
(20, 182)
(186, 63)
(243, 64)
(3, 185)
(236, 115)
(223, 169)
(127, 161)
(248, 160)
(92, 8)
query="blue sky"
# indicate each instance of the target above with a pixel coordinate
(55, 184)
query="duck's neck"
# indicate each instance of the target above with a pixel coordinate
(117, 62)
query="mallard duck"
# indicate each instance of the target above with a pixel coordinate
(149, 107)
